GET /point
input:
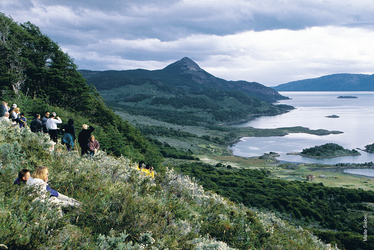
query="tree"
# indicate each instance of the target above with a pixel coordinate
(33, 64)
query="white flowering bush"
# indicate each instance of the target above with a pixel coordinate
(123, 208)
(206, 243)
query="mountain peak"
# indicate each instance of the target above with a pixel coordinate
(185, 64)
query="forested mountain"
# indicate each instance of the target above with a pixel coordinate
(336, 82)
(183, 93)
(37, 75)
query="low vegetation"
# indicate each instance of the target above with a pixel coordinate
(123, 209)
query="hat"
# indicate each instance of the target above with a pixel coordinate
(14, 105)
(53, 114)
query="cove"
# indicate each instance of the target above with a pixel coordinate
(356, 120)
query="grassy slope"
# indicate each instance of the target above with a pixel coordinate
(122, 208)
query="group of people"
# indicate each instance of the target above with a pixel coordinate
(38, 180)
(12, 115)
(49, 125)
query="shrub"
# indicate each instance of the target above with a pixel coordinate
(124, 209)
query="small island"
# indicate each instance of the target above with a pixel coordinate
(328, 150)
(347, 96)
(332, 116)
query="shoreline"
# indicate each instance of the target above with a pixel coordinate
(323, 157)
(341, 170)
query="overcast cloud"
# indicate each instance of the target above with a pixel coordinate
(267, 41)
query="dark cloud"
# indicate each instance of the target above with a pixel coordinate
(236, 39)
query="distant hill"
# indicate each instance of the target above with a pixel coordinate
(336, 82)
(184, 93)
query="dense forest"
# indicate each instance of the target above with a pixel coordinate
(339, 210)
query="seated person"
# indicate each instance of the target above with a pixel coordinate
(93, 145)
(141, 165)
(39, 180)
(148, 170)
(23, 176)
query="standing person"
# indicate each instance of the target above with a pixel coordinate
(23, 176)
(15, 115)
(93, 145)
(83, 138)
(3, 108)
(39, 181)
(22, 121)
(52, 126)
(44, 121)
(36, 124)
(69, 135)
(12, 108)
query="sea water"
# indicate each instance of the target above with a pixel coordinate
(356, 121)
(361, 171)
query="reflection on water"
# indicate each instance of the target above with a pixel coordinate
(356, 120)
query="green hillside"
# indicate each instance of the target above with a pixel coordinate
(37, 75)
(183, 93)
(335, 82)
(123, 209)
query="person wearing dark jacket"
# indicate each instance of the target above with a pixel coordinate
(44, 121)
(36, 124)
(69, 135)
(23, 176)
(83, 138)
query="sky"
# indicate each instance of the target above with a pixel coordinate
(266, 41)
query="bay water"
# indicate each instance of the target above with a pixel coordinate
(356, 121)
(361, 171)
